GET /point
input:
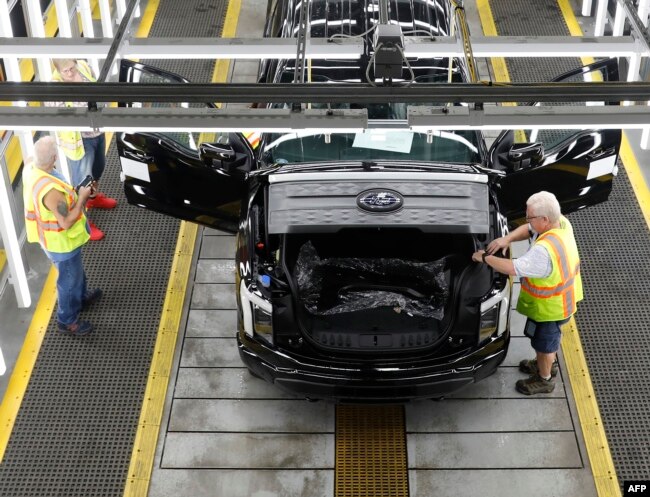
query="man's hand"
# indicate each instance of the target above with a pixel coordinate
(84, 193)
(501, 243)
(478, 256)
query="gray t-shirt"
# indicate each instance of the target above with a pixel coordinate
(536, 263)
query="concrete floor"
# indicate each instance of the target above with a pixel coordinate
(227, 433)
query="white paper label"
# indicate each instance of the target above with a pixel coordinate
(135, 169)
(393, 141)
(601, 167)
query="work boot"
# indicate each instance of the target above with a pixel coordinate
(101, 201)
(529, 366)
(91, 297)
(80, 328)
(535, 384)
(95, 232)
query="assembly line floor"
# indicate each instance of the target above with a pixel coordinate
(226, 433)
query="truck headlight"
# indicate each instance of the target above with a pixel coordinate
(257, 312)
(262, 323)
(489, 322)
(494, 314)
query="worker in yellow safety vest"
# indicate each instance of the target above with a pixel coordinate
(85, 151)
(55, 217)
(253, 138)
(551, 285)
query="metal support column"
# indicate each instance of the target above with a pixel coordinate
(65, 31)
(120, 8)
(644, 7)
(63, 18)
(619, 21)
(9, 232)
(586, 8)
(37, 30)
(107, 22)
(13, 74)
(601, 18)
(87, 25)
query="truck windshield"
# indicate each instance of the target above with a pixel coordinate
(372, 144)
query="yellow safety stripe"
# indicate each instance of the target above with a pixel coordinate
(144, 446)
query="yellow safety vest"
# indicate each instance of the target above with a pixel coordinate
(554, 298)
(253, 138)
(71, 141)
(40, 223)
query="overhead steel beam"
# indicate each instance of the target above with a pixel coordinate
(528, 117)
(340, 48)
(359, 93)
(284, 120)
(177, 119)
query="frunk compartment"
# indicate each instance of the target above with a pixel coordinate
(376, 288)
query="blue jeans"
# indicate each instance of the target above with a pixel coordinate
(92, 163)
(71, 288)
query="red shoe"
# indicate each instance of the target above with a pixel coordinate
(101, 201)
(95, 232)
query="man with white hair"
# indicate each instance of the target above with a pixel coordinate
(55, 217)
(551, 285)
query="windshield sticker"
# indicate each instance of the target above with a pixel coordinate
(393, 141)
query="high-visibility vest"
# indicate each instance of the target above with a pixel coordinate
(40, 223)
(253, 138)
(554, 298)
(71, 141)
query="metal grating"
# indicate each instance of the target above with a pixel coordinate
(371, 452)
(614, 243)
(74, 433)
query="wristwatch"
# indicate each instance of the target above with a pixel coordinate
(483, 256)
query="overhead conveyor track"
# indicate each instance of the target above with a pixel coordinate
(614, 242)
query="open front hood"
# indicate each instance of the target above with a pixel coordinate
(321, 202)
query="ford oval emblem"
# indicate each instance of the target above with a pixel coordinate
(380, 200)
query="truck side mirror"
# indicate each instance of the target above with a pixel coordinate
(220, 156)
(523, 155)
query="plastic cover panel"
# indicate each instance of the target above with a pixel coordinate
(340, 284)
(327, 206)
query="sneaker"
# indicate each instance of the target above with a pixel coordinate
(101, 201)
(91, 297)
(529, 366)
(535, 384)
(80, 328)
(95, 232)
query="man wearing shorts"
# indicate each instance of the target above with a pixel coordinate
(550, 284)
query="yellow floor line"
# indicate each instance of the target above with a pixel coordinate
(637, 180)
(146, 438)
(144, 446)
(602, 465)
(22, 371)
(147, 19)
